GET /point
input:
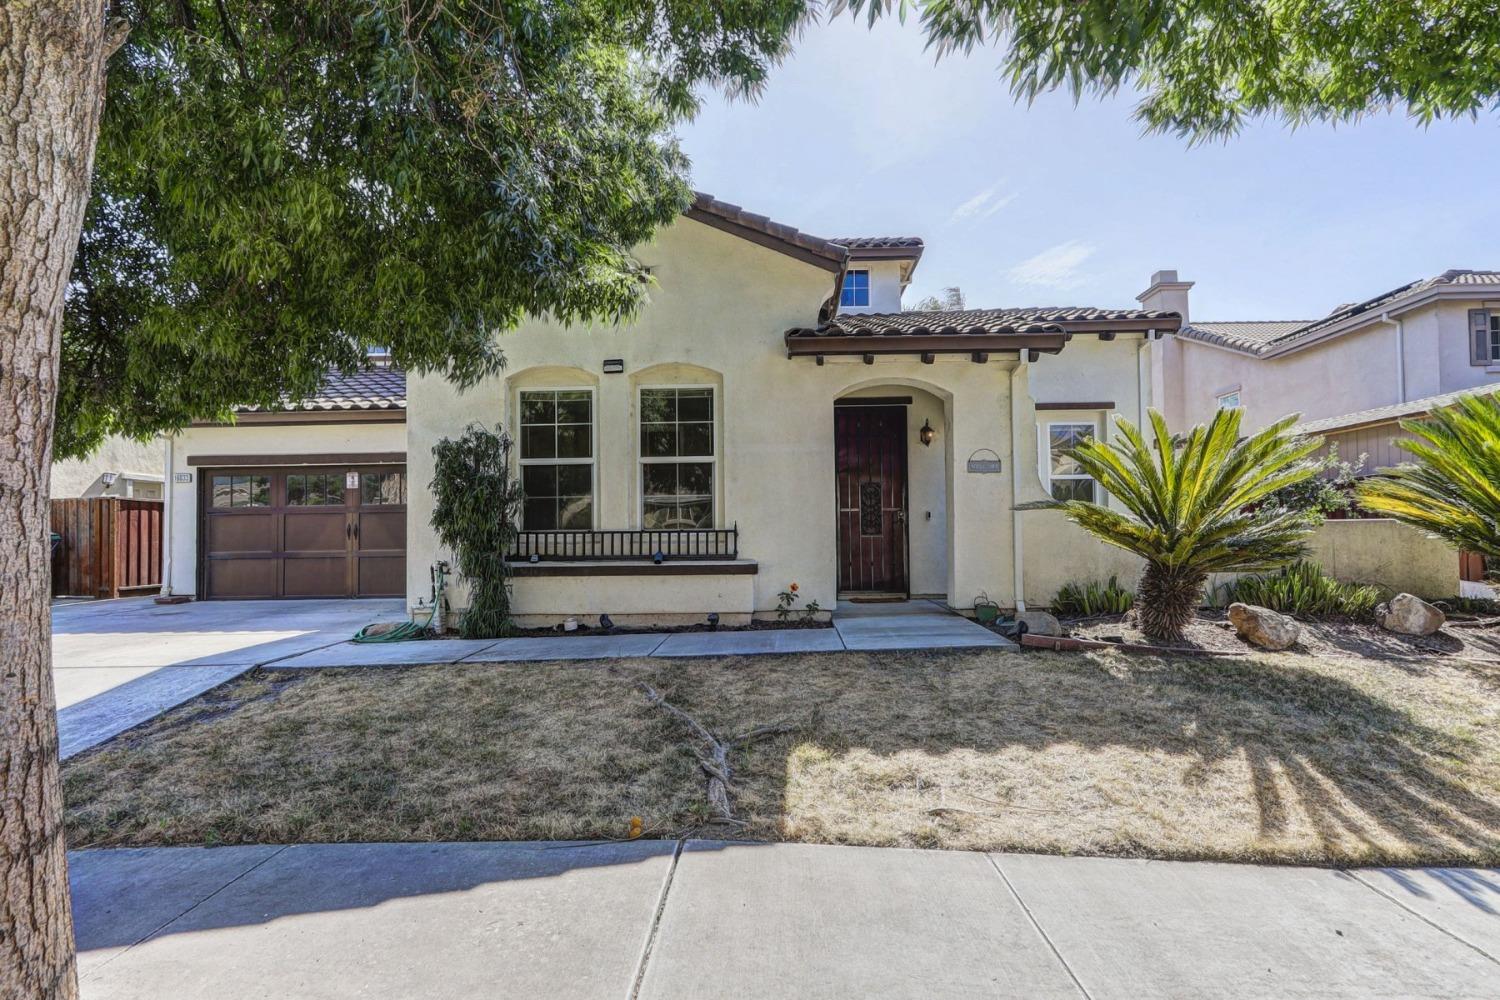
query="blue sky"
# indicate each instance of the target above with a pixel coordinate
(860, 133)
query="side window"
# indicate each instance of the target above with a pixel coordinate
(1229, 400)
(856, 290)
(1065, 477)
(678, 455)
(241, 491)
(557, 459)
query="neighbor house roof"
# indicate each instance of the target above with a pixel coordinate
(377, 387)
(1389, 414)
(760, 229)
(1264, 338)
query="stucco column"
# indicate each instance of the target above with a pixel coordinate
(980, 559)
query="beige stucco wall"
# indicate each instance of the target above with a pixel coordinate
(1353, 371)
(138, 464)
(1372, 551)
(250, 439)
(628, 600)
(716, 316)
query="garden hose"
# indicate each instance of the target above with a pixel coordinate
(401, 633)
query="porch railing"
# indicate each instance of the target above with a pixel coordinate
(673, 544)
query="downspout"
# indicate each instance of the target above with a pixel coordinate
(1018, 581)
(1142, 386)
(166, 516)
(1385, 318)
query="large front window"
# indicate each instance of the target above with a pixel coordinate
(1065, 476)
(678, 449)
(557, 459)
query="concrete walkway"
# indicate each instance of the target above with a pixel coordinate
(659, 920)
(903, 625)
(116, 664)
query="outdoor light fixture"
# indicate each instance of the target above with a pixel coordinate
(614, 366)
(926, 434)
(109, 478)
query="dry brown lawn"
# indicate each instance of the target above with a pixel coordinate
(1292, 758)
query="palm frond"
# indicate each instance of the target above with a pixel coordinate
(1193, 505)
(1453, 487)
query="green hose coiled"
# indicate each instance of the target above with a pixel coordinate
(401, 633)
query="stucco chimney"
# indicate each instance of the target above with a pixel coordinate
(1166, 294)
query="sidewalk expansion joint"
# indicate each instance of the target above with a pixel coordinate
(661, 906)
(1038, 926)
(1422, 917)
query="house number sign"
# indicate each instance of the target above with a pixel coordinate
(984, 461)
(351, 480)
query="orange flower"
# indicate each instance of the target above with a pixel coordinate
(793, 588)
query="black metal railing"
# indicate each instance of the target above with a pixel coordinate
(677, 543)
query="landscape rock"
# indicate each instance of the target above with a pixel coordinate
(1039, 623)
(1409, 615)
(1263, 627)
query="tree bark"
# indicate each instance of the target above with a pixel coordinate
(52, 55)
(1167, 601)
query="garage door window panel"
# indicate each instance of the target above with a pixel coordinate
(321, 489)
(241, 491)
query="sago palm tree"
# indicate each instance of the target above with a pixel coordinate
(1453, 489)
(1193, 506)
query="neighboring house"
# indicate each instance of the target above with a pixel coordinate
(770, 417)
(120, 467)
(1351, 374)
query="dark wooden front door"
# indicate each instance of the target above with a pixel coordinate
(870, 448)
(335, 531)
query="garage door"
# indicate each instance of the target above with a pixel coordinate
(327, 531)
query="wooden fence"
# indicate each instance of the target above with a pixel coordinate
(110, 546)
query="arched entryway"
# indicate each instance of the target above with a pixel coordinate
(892, 491)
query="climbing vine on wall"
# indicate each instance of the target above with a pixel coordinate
(475, 514)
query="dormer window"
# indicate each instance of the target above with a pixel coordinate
(856, 290)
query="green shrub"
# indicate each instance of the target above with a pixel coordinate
(1304, 590)
(1085, 600)
(476, 509)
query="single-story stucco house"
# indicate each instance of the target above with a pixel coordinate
(772, 416)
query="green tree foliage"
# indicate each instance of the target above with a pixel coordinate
(1453, 489)
(1206, 66)
(1330, 490)
(282, 183)
(477, 506)
(1193, 506)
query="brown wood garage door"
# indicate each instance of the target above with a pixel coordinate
(325, 531)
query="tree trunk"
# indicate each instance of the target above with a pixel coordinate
(52, 58)
(1166, 601)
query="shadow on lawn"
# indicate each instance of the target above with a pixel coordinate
(1325, 752)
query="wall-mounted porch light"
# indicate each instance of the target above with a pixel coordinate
(926, 434)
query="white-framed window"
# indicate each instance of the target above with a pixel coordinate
(679, 455)
(1229, 400)
(1066, 479)
(856, 289)
(1484, 327)
(557, 459)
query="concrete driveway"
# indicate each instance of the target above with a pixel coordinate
(655, 920)
(116, 664)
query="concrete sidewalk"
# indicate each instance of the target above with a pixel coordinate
(659, 920)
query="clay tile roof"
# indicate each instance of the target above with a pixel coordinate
(1267, 337)
(374, 388)
(879, 242)
(1049, 319)
(732, 218)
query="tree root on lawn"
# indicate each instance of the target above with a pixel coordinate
(713, 759)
